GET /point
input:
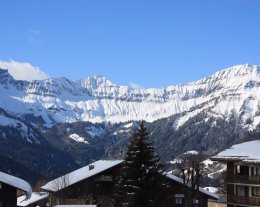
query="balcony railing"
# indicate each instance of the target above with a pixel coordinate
(243, 200)
(244, 179)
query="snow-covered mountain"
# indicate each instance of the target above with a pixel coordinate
(231, 92)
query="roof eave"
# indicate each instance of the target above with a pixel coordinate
(52, 191)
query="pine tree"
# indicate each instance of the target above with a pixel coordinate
(141, 183)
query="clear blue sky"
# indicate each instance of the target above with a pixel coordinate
(153, 43)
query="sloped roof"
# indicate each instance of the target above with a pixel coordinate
(80, 174)
(246, 152)
(179, 180)
(17, 183)
(36, 196)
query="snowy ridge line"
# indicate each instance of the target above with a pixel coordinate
(233, 91)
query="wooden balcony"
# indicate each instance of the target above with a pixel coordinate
(246, 179)
(243, 200)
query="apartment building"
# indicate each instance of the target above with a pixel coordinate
(243, 173)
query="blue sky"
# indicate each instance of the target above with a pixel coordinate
(153, 43)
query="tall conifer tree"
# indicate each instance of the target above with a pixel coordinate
(141, 183)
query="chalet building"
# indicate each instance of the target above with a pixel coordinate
(243, 173)
(91, 184)
(94, 183)
(9, 186)
(180, 194)
(36, 199)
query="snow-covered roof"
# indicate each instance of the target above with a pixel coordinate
(36, 196)
(246, 152)
(179, 180)
(17, 183)
(80, 174)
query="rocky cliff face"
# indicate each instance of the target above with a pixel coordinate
(96, 99)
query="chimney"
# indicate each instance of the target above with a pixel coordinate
(91, 167)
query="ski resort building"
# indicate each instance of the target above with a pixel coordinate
(91, 184)
(94, 183)
(9, 187)
(243, 173)
(181, 193)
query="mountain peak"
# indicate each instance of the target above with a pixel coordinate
(95, 82)
(5, 76)
(4, 72)
(241, 69)
(234, 76)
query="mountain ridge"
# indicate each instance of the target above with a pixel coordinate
(97, 99)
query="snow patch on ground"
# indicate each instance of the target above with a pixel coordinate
(6, 121)
(181, 120)
(212, 175)
(129, 125)
(211, 189)
(207, 162)
(20, 126)
(176, 161)
(95, 132)
(191, 152)
(121, 131)
(78, 138)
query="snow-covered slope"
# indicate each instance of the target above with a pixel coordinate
(231, 92)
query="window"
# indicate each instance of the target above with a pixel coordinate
(256, 191)
(255, 170)
(242, 170)
(179, 201)
(195, 201)
(238, 169)
(241, 190)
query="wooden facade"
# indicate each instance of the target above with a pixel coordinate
(243, 183)
(243, 188)
(243, 173)
(183, 196)
(7, 195)
(93, 190)
(216, 204)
